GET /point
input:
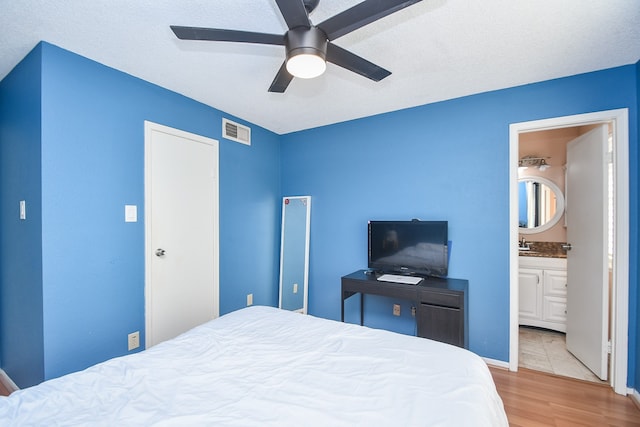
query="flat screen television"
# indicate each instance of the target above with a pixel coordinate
(409, 247)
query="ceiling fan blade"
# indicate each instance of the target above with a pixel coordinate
(294, 13)
(214, 34)
(352, 62)
(360, 15)
(282, 80)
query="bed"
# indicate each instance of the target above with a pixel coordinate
(261, 366)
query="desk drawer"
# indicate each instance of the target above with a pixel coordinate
(441, 298)
(375, 287)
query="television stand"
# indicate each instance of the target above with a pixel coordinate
(442, 304)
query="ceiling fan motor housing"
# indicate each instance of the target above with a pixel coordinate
(310, 5)
(301, 40)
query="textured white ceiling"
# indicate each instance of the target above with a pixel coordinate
(436, 50)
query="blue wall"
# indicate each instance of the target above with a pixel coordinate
(92, 150)
(84, 161)
(446, 160)
(21, 327)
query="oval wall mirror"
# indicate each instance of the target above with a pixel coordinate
(540, 204)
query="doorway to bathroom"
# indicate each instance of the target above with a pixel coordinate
(615, 124)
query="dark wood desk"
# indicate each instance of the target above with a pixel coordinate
(442, 304)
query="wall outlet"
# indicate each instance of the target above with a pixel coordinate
(134, 340)
(396, 309)
(249, 299)
(413, 311)
(295, 288)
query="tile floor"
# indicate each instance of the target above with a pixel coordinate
(545, 350)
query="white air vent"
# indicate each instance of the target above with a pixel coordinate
(236, 132)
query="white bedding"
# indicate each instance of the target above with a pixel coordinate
(261, 366)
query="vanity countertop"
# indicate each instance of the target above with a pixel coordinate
(542, 254)
(544, 250)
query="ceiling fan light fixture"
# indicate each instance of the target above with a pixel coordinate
(306, 65)
(306, 52)
(534, 161)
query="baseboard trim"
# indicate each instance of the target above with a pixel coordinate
(7, 382)
(635, 396)
(497, 363)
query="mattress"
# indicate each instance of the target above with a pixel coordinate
(261, 366)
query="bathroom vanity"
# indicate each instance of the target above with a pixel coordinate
(543, 292)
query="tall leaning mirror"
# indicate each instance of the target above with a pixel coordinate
(294, 253)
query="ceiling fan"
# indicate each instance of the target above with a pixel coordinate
(308, 47)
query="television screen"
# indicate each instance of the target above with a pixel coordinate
(409, 247)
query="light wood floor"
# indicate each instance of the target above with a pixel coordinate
(3, 390)
(533, 398)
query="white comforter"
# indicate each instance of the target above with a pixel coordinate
(261, 366)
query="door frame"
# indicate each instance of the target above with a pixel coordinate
(620, 292)
(149, 128)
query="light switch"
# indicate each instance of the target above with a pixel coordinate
(23, 209)
(130, 213)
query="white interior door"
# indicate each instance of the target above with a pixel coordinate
(181, 225)
(587, 261)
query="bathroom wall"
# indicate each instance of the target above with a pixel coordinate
(552, 145)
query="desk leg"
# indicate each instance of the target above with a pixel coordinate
(361, 308)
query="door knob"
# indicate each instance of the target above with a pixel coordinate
(160, 252)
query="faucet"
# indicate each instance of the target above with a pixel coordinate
(523, 245)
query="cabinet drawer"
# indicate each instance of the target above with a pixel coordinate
(444, 299)
(555, 309)
(555, 283)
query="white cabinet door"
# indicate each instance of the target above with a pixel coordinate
(530, 295)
